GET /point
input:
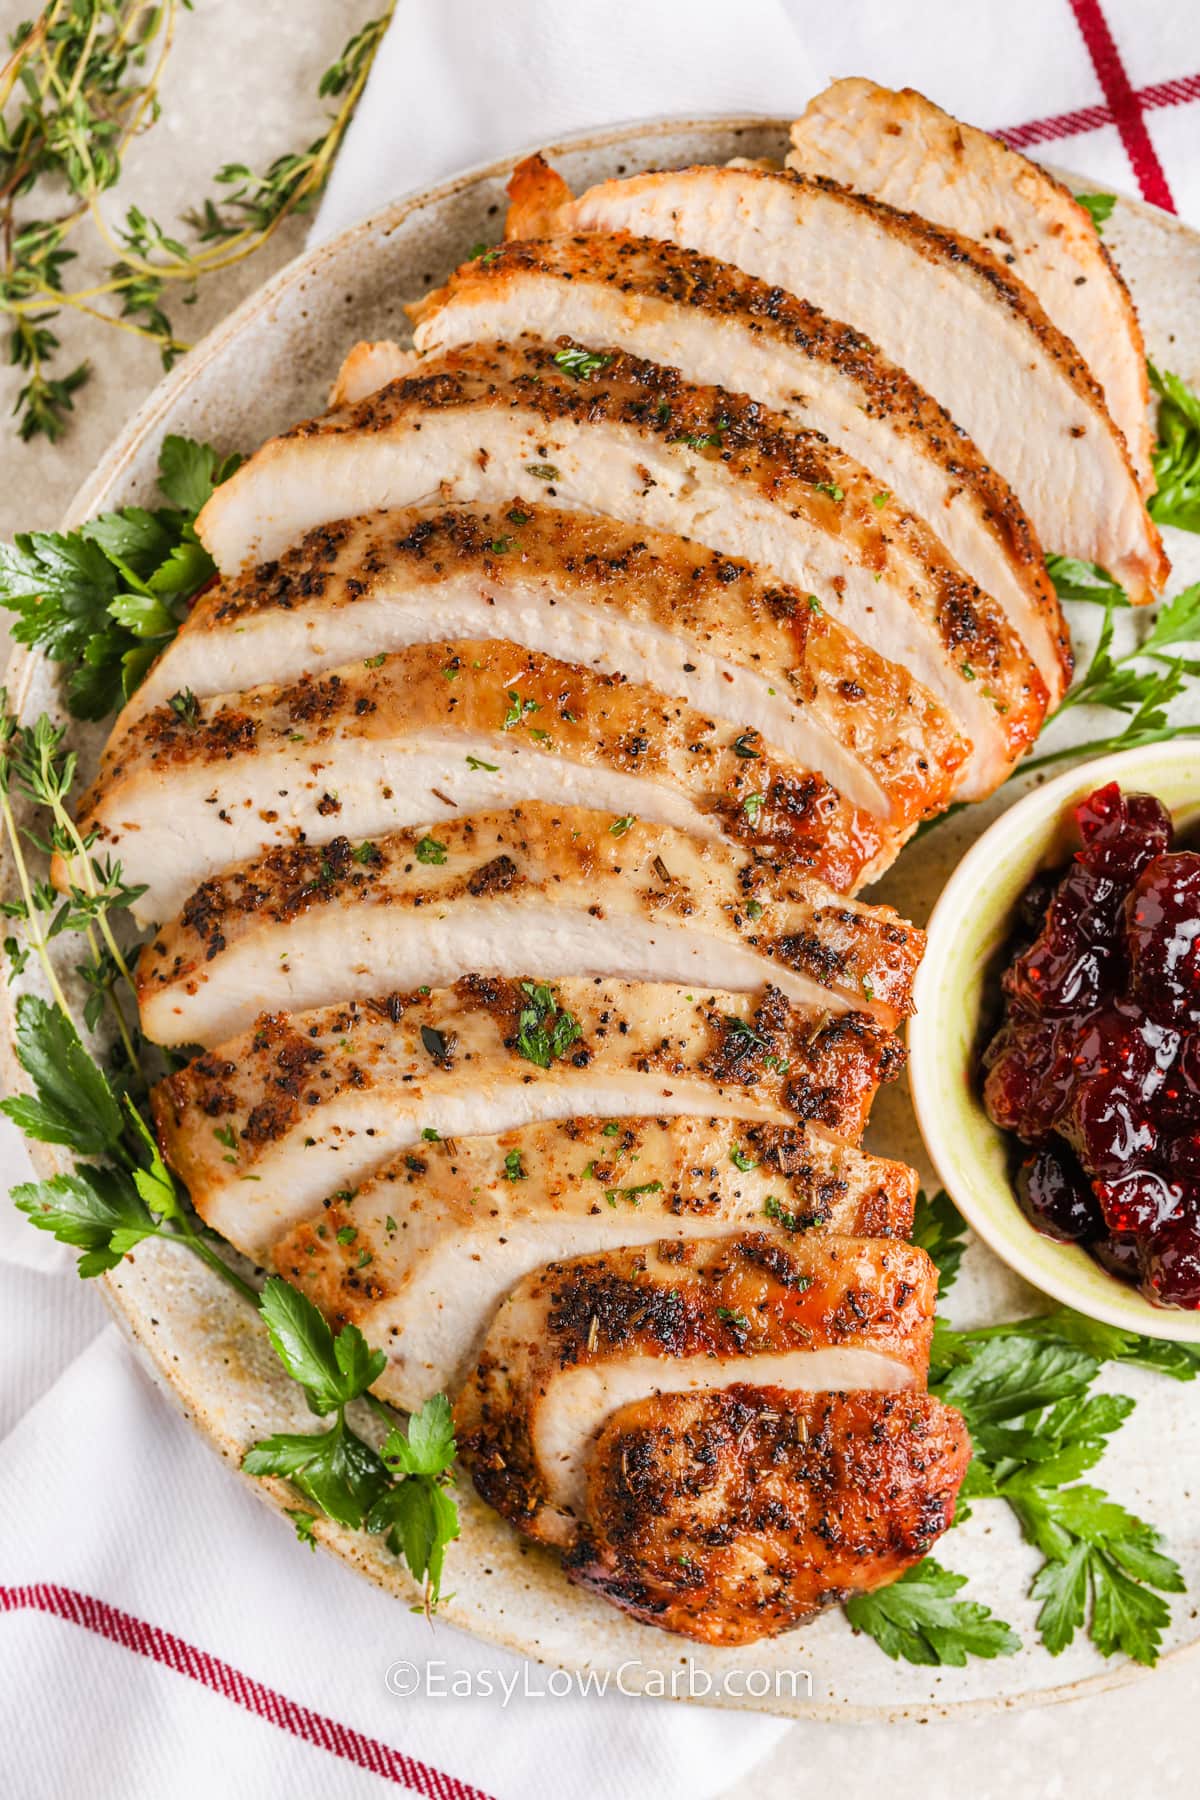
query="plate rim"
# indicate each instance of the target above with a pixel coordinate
(24, 662)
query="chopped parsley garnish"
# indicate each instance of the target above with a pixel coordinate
(544, 1031)
(831, 488)
(375, 662)
(518, 709)
(439, 1044)
(738, 1320)
(744, 748)
(745, 1032)
(619, 827)
(632, 1194)
(788, 1221)
(513, 1168)
(475, 762)
(741, 1161)
(582, 364)
(543, 471)
(428, 850)
(703, 440)
(752, 806)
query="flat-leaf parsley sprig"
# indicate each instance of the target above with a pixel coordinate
(1024, 1389)
(1177, 453)
(399, 1490)
(107, 599)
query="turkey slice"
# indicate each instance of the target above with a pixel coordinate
(902, 148)
(267, 1125)
(578, 1339)
(943, 308)
(584, 892)
(420, 1255)
(718, 325)
(730, 1516)
(436, 730)
(615, 435)
(658, 610)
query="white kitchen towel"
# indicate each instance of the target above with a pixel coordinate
(1108, 87)
(161, 1632)
(166, 1634)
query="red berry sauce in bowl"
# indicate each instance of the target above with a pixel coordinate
(1095, 1068)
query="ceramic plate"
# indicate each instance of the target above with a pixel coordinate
(269, 364)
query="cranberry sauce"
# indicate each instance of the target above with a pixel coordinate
(1096, 1066)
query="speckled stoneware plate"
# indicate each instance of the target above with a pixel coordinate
(270, 364)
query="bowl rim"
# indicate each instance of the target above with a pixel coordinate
(1055, 1269)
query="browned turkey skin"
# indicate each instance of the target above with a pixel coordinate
(734, 1515)
(578, 1339)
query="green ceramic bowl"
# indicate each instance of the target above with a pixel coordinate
(969, 926)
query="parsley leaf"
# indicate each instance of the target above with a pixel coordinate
(1076, 580)
(918, 1619)
(1099, 208)
(544, 1031)
(939, 1229)
(93, 1210)
(1177, 453)
(188, 472)
(332, 1371)
(398, 1490)
(582, 364)
(72, 1102)
(107, 598)
(334, 1469)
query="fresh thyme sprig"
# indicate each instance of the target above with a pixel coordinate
(81, 81)
(1141, 684)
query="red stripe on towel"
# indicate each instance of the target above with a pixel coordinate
(160, 1646)
(1125, 104)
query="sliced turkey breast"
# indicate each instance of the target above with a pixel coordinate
(437, 730)
(612, 434)
(578, 1339)
(267, 1125)
(937, 304)
(732, 1516)
(716, 324)
(583, 893)
(655, 609)
(902, 148)
(420, 1256)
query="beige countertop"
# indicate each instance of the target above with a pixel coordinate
(241, 84)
